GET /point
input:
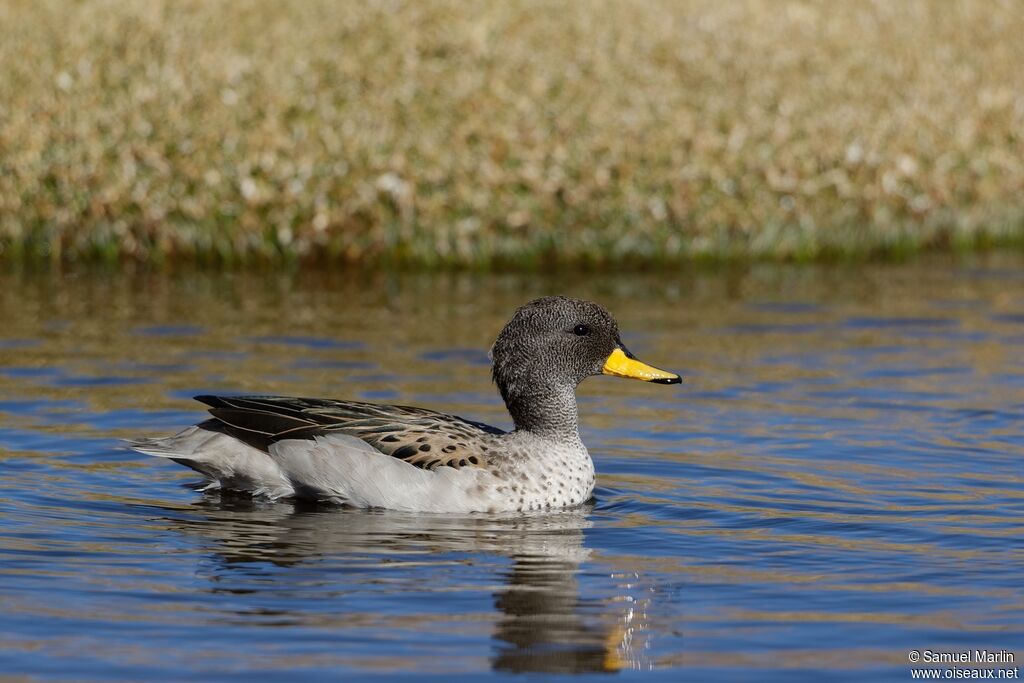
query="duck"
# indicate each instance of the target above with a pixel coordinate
(370, 455)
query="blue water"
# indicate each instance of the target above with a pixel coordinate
(838, 482)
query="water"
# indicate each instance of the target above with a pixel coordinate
(838, 482)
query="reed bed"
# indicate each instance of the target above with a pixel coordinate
(520, 132)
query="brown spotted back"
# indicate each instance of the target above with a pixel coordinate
(421, 437)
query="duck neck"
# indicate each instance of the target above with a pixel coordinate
(546, 410)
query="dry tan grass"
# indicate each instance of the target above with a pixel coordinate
(438, 131)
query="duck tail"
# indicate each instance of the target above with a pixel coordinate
(226, 462)
(185, 445)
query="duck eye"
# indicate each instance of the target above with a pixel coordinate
(581, 330)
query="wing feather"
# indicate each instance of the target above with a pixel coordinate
(423, 438)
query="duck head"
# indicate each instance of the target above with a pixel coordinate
(551, 345)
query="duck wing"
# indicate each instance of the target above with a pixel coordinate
(424, 438)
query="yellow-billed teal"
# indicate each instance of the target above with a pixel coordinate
(397, 457)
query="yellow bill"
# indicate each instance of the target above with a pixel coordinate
(621, 365)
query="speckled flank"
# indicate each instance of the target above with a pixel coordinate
(563, 476)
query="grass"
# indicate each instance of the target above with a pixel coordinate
(437, 132)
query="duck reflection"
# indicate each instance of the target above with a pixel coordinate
(542, 622)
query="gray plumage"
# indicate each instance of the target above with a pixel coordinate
(401, 457)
